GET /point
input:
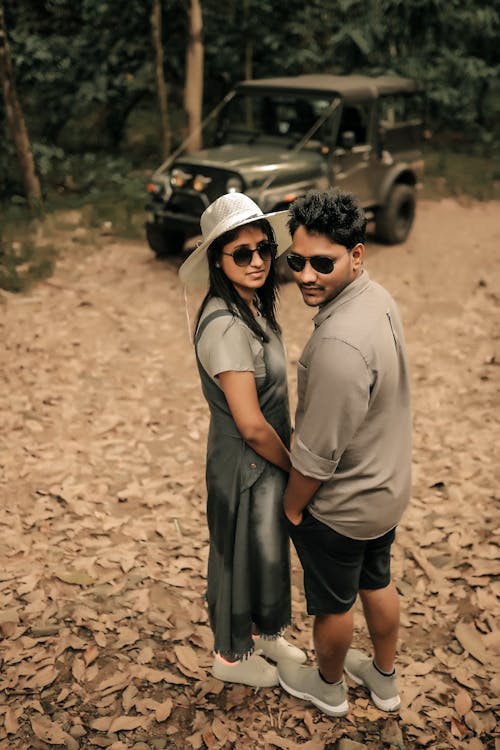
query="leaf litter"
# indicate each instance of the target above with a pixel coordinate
(104, 637)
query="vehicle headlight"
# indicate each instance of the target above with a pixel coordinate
(234, 185)
(178, 178)
(200, 182)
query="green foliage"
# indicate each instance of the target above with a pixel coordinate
(23, 263)
(450, 173)
(85, 71)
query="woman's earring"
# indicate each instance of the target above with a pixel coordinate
(217, 265)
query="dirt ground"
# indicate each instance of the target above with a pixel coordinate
(103, 631)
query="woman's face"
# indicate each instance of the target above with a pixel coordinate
(246, 279)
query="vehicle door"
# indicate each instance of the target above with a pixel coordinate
(350, 165)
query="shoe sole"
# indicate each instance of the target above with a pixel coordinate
(335, 711)
(388, 704)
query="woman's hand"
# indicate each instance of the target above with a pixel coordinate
(294, 517)
(241, 395)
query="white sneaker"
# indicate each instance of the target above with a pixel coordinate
(254, 671)
(277, 649)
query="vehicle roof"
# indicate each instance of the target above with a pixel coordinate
(352, 88)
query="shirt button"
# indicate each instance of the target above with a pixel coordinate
(253, 466)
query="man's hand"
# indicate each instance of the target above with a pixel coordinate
(298, 494)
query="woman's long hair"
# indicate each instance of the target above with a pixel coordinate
(221, 286)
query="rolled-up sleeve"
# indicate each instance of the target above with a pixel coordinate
(333, 402)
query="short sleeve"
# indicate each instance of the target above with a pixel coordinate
(226, 345)
(333, 404)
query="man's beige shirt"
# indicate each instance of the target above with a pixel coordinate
(353, 419)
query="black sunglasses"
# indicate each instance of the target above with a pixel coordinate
(243, 255)
(321, 263)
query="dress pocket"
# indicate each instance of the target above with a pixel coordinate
(252, 466)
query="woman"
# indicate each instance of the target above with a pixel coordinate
(242, 367)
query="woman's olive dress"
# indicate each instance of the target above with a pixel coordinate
(249, 564)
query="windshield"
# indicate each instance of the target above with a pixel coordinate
(264, 117)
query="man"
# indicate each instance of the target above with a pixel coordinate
(350, 477)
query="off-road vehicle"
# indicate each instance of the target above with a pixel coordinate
(277, 138)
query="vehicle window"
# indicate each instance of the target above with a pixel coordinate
(398, 109)
(354, 118)
(286, 116)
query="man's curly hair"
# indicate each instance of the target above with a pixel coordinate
(333, 213)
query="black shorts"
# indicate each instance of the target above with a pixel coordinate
(337, 567)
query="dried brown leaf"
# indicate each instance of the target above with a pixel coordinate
(48, 731)
(209, 738)
(44, 677)
(480, 722)
(471, 641)
(282, 742)
(78, 669)
(195, 740)
(187, 657)
(103, 724)
(11, 720)
(463, 703)
(156, 675)
(126, 723)
(145, 655)
(74, 577)
(128, 697)
(164, 710)
(90, 655)
(418, 668)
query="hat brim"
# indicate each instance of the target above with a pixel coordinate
(194, 270)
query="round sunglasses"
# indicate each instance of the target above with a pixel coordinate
(321, 263)
(243, 254)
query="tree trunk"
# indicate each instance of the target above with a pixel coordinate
(161, 86)
(248, 44)
(193, 93)
(15, 118)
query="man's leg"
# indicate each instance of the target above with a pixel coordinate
(381, 608)
(332, 637)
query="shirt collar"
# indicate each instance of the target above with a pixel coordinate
(349, 292)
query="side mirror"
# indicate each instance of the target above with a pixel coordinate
(347, 139)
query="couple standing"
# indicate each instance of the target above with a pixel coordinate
(341, 489)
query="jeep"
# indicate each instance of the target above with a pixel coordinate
(275, 139)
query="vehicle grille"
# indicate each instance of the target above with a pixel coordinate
(188, 200)
(186, 203)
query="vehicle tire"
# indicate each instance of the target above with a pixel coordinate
(164, 241)
(394, 221)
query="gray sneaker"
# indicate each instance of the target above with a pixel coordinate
(305, 682)
(254, 671)
(383, 689)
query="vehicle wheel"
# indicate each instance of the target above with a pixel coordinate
(164, 241)
(393, 222)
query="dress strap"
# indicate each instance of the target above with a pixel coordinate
(208, 319)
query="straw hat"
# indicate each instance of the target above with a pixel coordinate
(230, 211)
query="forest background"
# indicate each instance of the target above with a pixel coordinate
(107, 89)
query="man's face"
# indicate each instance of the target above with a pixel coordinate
(319, 288)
